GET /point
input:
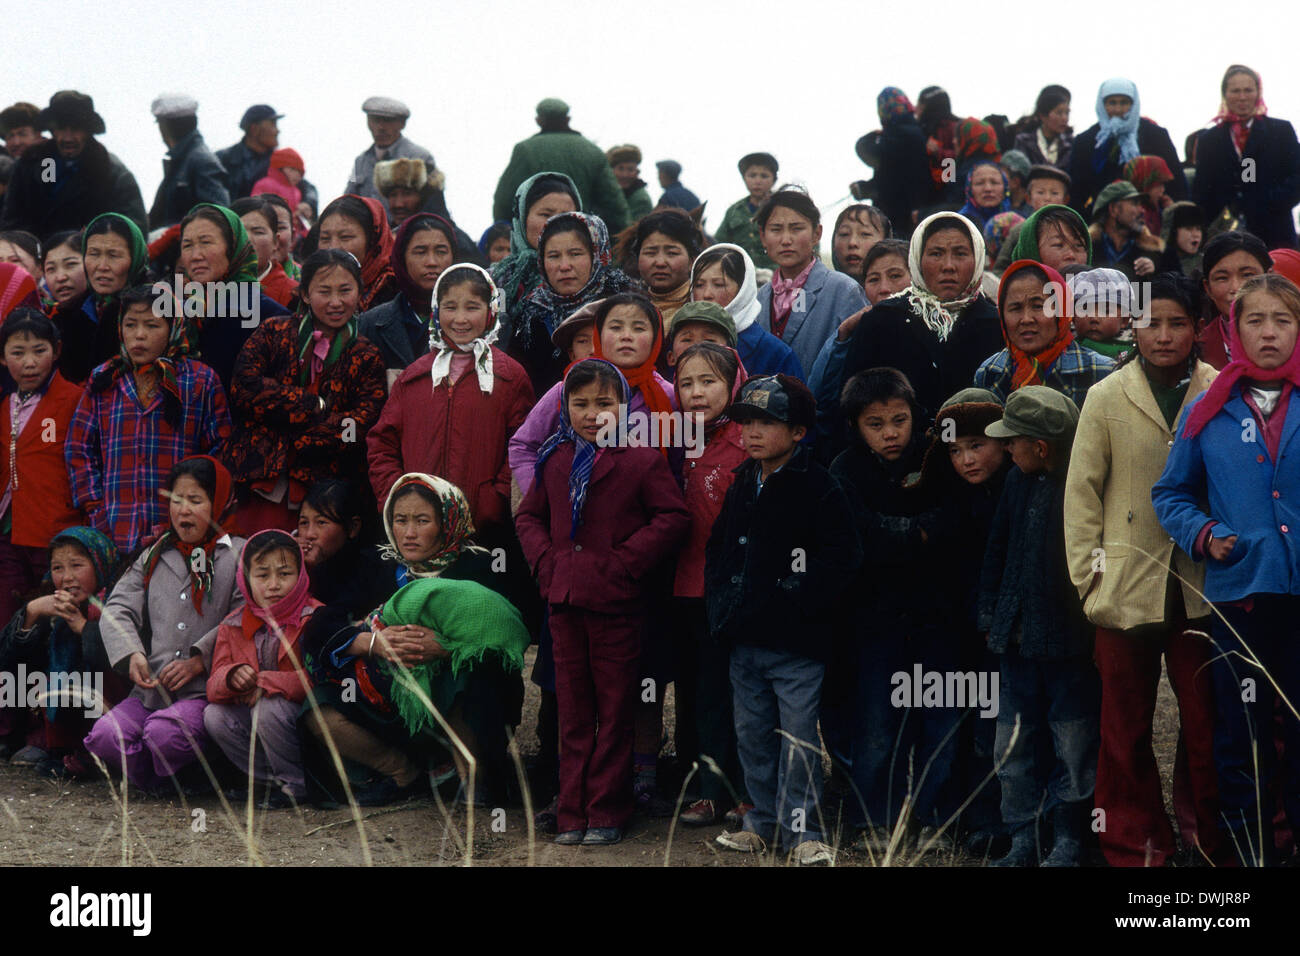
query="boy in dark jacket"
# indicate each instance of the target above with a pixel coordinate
(781, 554)
(1035, 623)
(890, 624)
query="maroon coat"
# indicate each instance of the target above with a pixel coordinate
(634, 519)
(453, 431)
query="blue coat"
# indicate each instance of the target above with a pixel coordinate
(1249, 496)
(762, 353)
(829, 298)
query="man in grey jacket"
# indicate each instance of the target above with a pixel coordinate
(386, 118)
(191, 173)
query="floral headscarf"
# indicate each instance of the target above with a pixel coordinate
(891, 104)
(481, 347)
(980, 215)
(1146, 171)
(976, 138)
(454, 515)
(519, 273)
(997, 229)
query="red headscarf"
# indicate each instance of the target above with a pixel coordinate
(1031, 369)
(1216, 396)
(377, 266)
(1286, 262)
(285, 613)
(17, 288)
(165, 536)
(642, 378)
(1145, 171)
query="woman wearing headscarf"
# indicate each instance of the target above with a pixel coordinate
(987, 192)
(216, 253)
(939, 124)
(574, 254)
(423, 249)
(1046, 137)
(359, 225)
(537, 199)
(309, 390)
(902, 188)
(1243, 131)
(380, 725)
(939, 329)
(1034, 305)
(724, 274)
(1121, 133)
(1150, 176)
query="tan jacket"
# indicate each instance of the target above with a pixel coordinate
(1119, 452)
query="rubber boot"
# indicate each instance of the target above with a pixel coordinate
(1068, 822)
(1024, 849)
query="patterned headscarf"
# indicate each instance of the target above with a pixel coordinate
(519, 273)
(166, 537)
(1120, 131)
(454, 515)
(892, 103)
(1146, 171)
(1033, 369)
(976, 138)
(481, 347)
(939, 315)
(309, 338)
(997, 229)
(584, 452)
(137, 246)
(980, 215)
(103, 553)
(547, 305)
(166, 365)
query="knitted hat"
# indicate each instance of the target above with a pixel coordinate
(710, 313)
(287, 159)
(1016, 162)
(626, 153)
(1119, 189)
(1036, 411)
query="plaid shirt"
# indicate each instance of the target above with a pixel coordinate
(119, 453)
(1075, 371)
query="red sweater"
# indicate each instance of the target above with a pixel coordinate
(453, 431)
(707, 479)
(42, 502)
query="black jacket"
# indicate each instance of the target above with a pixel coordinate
(191, 175)
(220, 339)
(902, 181)
(778, 563)
(45, 198)
(86, 342)
(1025, 584)
(1085, 182)
(1265, 198)
(388, 328)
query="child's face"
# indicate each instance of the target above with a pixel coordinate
(1188, 239)
(886, 427)
(976, 458)
(765, 440)
(1156, 194)
(1103, 327)
(499, 249)
(1046, 192)
(1166, 340)
(1059, 247)
(713, 285)
(853, 240)
(293, 175)
(1228, 276)
(144, 334)
(885, 276)
(701, 390)
(427, 256)
(462, 314)
(1028, 454)
(759, 180)
(190, 510)
(338, 231)
(590, 407)
(583, 344)
(272, 575)
(1267, 328)
(64, 273)
(690, 333)
(321, 537)
(71, 570)
(417, 527)
(333, 297)
(627, 336)
(29, 360)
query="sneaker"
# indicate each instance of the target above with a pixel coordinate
(735, 817)
(933, 840)
(29, 757)
(570, 838)
(812, 853)
(603, 836)
(742, 841)
(700, 813)
(548, 820)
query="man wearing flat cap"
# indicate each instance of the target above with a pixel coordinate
(191, 173)
(626, 162)
(69, 180)
(386, 118)
(557, 148)
(248, 160)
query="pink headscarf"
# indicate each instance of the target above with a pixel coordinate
(284, 613)
(17, 288)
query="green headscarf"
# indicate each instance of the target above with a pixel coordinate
(1027, 241)
(520, 272)
(243, 257)
(139, 254)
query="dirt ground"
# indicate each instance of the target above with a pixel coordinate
(46, 822)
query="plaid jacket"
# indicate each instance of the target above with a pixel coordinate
(1074, 372)
(118, 453)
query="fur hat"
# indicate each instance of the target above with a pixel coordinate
(20, 114)
(626, 153)
(406, 174)
(970, 411)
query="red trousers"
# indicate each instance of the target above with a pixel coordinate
(1137, 829)
(597, 660)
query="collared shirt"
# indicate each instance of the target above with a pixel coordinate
(1074, 372)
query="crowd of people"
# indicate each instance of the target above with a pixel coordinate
(928, 503)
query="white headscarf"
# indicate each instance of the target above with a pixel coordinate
(939, 315)
(481, 346)
(744, 308)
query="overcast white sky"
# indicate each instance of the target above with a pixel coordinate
(702, 82)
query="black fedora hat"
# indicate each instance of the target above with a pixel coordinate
(70, 108)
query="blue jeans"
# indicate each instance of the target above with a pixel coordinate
(1061, 697)
(779, 691)
(1244, 728)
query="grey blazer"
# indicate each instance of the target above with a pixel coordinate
(829, 298)
(177, 630)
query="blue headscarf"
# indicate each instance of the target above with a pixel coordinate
(584, 452)
(1122, 129)
(980, 215)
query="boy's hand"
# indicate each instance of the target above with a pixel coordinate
(176, 674)
(242, 679)
(1220, 548)
(851, 323)
(139, 672)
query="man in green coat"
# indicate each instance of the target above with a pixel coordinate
(557, 148)
(738, 227)
(626, 163)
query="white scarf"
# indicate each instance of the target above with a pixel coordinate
(481, 347)
(940, 316)
(744, 308)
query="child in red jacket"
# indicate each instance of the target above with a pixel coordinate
(257, 668)
(598, 519)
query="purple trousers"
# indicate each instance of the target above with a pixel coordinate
(154, 743)
(278, 758)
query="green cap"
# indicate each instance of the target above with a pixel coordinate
(1036, 411)
(1120, 189)
(709, 313)
(552, 108)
